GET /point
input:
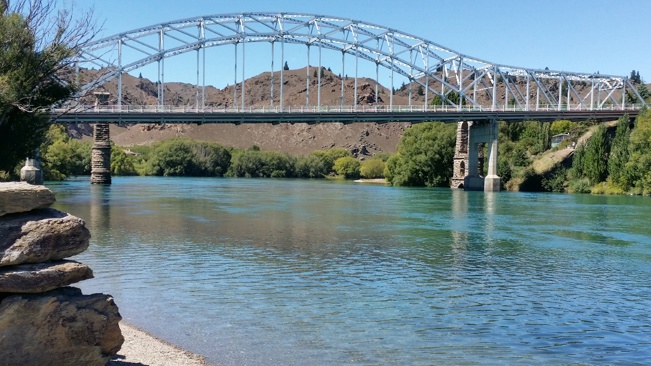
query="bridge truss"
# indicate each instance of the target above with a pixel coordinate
(461, 81)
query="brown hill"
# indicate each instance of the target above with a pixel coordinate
(296, 138)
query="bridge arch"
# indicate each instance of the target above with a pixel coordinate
(421, 61)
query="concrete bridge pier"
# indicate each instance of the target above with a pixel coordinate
(479, 133)
(101, 155)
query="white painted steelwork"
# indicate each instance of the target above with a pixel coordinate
(421, 61)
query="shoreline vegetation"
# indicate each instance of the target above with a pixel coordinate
(141, 348)
(598, 158)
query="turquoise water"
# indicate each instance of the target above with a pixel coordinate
(292, 272)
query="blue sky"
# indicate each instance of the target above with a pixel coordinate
(609, 36)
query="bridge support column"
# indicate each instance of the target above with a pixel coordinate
(101, 156)
(478, 134)
(460, 169)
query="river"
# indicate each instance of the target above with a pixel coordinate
(299, 272)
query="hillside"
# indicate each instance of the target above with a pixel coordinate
(296, 138)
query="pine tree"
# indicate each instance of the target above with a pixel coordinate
(286, 67)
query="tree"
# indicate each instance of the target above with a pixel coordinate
(36, 44)
(644, 92)
(121, 163)
(420, 90)
(560, 126)
(62, 156)
(425, 155)
(373, 168)
(286, 67)
(173, 157)
(348, 167)
(619, 154)
(638, 168)
(595, 164)
(451, 98)
(330, 156)
(311, 166)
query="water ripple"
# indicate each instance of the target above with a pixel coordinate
(359, 275)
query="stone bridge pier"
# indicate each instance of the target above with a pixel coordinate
(468, 158)
(100, 163)
(100, 172)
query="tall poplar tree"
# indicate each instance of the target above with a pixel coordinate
(619, 153)
(595, 161)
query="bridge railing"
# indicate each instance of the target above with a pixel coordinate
(327, 109)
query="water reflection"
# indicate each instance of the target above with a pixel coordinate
(99, 219)
(460, 224)
(321, 273)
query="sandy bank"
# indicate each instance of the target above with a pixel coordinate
(140, 349)
(376, 181)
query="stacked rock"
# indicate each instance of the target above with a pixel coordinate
(42, 321)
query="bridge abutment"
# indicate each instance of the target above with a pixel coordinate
(101, 155)
(480, 133)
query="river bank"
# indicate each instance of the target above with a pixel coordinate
(141, 348)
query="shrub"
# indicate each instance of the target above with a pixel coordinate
(373, 168)
(348, 167)
(311, 166)
(579, 185)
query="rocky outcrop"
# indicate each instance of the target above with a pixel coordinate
(21, 197)
(41, 235)
(42, 277)
(41, 321)
(60, 327)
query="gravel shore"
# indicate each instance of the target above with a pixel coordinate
(142, 349)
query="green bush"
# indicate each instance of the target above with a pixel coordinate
(184, 157)
(254, 163)
(62, 156)
(579, 185)
(348, 167)
(311, 166)
(560, 126)
(555, 181)
(425, 156)
(121, 163)
(329, 156)
(373, 168)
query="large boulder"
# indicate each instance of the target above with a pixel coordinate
(23, 197)
(41, 235)
(60, 327)
(42, 277)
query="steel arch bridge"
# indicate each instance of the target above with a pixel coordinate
(461, 81)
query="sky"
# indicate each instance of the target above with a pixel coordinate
(609, 36)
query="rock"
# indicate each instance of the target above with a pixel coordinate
(60, 327)
(41, 235)
(42, 277)
(23, 197)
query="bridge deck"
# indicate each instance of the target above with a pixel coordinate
(343, 116)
